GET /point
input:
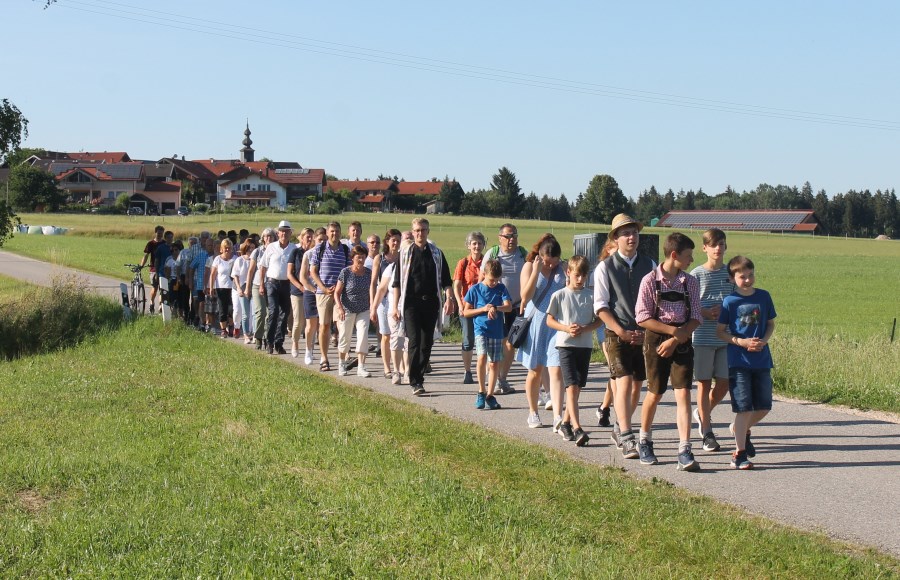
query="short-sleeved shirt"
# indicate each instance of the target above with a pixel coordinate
(223, 269)
(198, 265)
(468, 271)
(150, 248)
(240, 270)
(512, 265)
(672, 313)
(355, 296)
(257, 256)
(162, 253)
(715, 285)
(481, 295)
(275, 260)
(748, 317)
(296, 258)
(333, 260)
(569, 306)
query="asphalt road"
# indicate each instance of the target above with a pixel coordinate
(817, 467)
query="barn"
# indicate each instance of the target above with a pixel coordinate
(800, 221)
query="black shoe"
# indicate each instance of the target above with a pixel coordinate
(352, 363)
(748, 446)
(280, 350)
(581, 438)
(565, 431)
(270, 350)
(603, 416)
(418, 390)
(427, 368)
(259, 345)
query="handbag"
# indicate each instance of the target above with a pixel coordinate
(519, 329)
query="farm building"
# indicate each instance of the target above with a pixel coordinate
(802, 221)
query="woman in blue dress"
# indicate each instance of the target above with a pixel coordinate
(542, 267)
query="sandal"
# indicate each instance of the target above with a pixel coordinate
(324, 366)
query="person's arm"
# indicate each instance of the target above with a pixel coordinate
(212, 277)
(506, 306)
(380, 292)
(373, 285)
(447, 285)
(250, 273)
(292, 277)
(529, 277)
(338, 305)
(304, 275)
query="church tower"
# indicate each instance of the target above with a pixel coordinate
(247, 151)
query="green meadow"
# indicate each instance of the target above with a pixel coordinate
(836, 297)
(156, 451)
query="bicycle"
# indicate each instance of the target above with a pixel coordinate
(137, 297)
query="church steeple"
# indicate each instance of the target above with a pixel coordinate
(247, 151)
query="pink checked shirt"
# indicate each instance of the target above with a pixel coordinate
(669, 312)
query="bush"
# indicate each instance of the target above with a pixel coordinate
(329, 207)
(54, 318)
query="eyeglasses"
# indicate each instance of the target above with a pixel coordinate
(509, 236)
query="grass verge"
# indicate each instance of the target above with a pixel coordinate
(127, 457)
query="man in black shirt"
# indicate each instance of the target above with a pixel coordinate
(422, 274)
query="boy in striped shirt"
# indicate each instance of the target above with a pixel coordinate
(710, 353)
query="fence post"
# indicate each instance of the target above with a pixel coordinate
(893, 328)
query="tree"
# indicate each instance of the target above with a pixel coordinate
(31, 188)
(8, 222)
(452, 195)
(476, 203)
(13, 128)
(20, 155)
(507, 193)
(123, 200)
(602, 201)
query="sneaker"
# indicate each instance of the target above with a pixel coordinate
(395, 379)
(710, 443)
(428, 368)
(294, 352)
(603, 417)
(645, 452)
(351, 363)
(629, 448)
(696, 415)
(280, 350)
(467, 378)
(616, 436)
(405, 380)
(534, 420)
(503, 387)
(565, 431)
(492, 403)
(342, 369)
(748, 445)
(362, 372)
(581, 438)
(308, 358)
(479, 401)
(739, 460)
(686, 461)
(418, 389)
(543, 398)
(557, 421)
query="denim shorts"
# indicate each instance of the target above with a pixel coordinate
(751, 389)
(468, 332)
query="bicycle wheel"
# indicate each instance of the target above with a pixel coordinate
(138, 298)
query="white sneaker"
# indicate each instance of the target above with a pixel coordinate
(395, 379)
(557, 421)
(342, 369)
(405, 380)
(544, 399)
(534, 420)
(307, 358)
(362, 372)
(294, 352)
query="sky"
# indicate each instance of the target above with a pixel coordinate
(676, 95)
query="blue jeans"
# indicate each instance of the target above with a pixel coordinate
(278, 295)
(468, 333)
(751, 389)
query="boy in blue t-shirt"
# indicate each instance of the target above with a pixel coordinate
(746, 323)
(485, 302)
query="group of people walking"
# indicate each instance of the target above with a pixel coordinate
(655, 322)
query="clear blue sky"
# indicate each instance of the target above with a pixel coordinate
(88, 80)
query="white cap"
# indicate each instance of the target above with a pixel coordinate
(285, 225)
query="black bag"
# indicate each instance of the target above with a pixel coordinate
(519, 329)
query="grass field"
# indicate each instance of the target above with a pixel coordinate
(836, 298)
(143, 453)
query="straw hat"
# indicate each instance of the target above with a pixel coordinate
(284, 225)
(622, 220)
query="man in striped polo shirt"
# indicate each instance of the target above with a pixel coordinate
(325, 263)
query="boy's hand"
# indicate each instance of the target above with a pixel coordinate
(681, 334)
(754, 344)
(667, 348)
(574, 330)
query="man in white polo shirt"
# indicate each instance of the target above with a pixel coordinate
(277, 288)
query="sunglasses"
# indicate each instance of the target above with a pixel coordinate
(509, 236)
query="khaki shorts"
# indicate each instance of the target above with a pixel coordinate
(624, 359)
(325, 306)
(710, 362)
(679, 367)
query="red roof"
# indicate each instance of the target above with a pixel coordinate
(372, 199)
(163, 187)
(105, 157)
(364, 185)
(219, 166)
(419, 187)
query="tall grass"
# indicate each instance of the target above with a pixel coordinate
(37, 320)
(862, 373)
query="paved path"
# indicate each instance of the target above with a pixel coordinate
(817, 467)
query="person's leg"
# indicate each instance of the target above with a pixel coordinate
(683, 413)
(431, 314)
(468, 342)
(259, 313)
(532, 385)
(345, 328)
(492, 371)
(362, 337)
(572, 414)
(271, 311)
(481, 368)
(284, 311)
(297, 321)
(325, 306)
(414, 335)
(312, 329)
